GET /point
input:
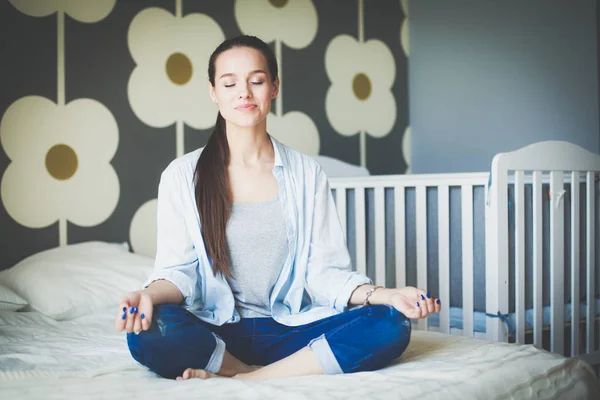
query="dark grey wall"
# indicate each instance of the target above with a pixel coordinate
(98, 65)
(491, 76)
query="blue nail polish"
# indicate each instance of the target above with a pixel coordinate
(124, 309)
(422, 297)
(131, 310)
(135, 310)
(438, 301)
(428, 295)
(418, 304)
(123, 316)
(143, 316)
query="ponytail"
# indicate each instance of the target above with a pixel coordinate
(213, 197)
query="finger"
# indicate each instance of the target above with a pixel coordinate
(145, 311)
(423, 303)
(430, 302)
(438, 305)
(121, 316)
(131, 313)
(418, 310)
(137, 323)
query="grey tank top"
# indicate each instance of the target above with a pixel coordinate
(258, 248)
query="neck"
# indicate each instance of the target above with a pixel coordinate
(250, 145)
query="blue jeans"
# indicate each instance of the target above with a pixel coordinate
(364, 339)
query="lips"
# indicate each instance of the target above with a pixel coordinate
(245, 107)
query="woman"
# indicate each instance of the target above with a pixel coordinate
(252, 277)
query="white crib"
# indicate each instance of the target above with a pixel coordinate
(409, 229)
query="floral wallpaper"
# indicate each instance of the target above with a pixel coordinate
(98, 97)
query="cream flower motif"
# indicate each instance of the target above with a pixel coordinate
(406, 153)
(82, 10)
(60, 165)
(169, 82)
(404, 30)
(142, 231)
(292, 21)
(360, 96)
(296, 130)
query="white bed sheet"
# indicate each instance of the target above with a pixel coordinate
(44, 359)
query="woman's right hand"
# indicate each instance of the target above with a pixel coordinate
(135, 312)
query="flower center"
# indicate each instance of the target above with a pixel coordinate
(179, 68)
(61, 162)
(279, 3)
(361, 85)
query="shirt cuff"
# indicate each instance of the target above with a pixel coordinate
(177, 278)
(356, 279)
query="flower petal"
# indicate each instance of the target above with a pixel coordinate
(91, 129)
(379, 113)
(36, 8)
(343, 109)
(295, 24)
(27, 127)
(91, 195)
(296, 130)
(88, 11)
(142, 231)
(23, 184)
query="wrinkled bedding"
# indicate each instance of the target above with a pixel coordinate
(85, 358)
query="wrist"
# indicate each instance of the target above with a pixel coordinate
(379, 296)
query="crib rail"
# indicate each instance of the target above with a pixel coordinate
(564, 170)
(396, 186)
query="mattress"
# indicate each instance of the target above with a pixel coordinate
(85, 358)
(479, 318)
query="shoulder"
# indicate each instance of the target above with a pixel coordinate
(182, 168)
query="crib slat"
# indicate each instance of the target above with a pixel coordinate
(591, 257)
(557, 267)
(520, 256)
(496, 254)
(537, 259)
(380, 236)
(467, 258)
(444, 256)
(421, 229)
(340, 205)
(361, 229)
(575, 263)
(400, 235)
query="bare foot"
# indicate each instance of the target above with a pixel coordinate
(196, 373)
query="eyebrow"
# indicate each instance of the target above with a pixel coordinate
(256, 71)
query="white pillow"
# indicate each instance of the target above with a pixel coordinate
(75, 280)
(9, 300)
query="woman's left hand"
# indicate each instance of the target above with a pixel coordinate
(414, 303)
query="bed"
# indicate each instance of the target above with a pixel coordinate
(501, 332)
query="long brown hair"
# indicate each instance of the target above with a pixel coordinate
(213, 192)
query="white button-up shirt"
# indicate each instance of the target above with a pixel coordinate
(316, 280)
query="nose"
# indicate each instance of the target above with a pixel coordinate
(245, 92)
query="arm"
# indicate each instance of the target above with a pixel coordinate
(176, 260)
(329, 275)
(173, 280)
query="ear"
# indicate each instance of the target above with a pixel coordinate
(275, 88)
(211, 92)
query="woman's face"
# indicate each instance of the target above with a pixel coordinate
(243, 87)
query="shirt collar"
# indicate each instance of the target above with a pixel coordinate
(278, 150)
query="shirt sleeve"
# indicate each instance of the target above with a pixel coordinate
(176, 259)
(329, 275)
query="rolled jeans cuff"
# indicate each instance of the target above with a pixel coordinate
(216, 359)
(325, 356)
